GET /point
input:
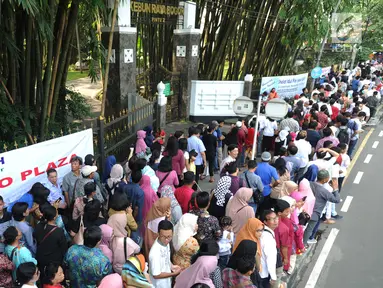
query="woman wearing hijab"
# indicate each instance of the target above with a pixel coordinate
(111, 281)
(160, 210)
(109, 162)
(107, 234)
(204, 264)
(311, 173)
(185, 245)
(123, 248)
(305, 189)
(284, 175)
(140, 143)
(238, 209)
(221, 196)
(149, 137)
(251, 231)
(149, 195)
(245, 247)
(282, 140)
(168, 192)
(116, 179)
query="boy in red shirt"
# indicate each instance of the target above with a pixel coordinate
(284, 234)
(183, 193)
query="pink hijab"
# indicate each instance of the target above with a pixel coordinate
(140, 144)
(107, 233)
(238, 209)
(199, 272)
(149, 195)
(305, 190)
(111, 281)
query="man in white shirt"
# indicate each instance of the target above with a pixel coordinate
(363, 108)
(56, 193)
(323, 164)
(304, 151)
(161, 269)
(270, 277)
(232, 151)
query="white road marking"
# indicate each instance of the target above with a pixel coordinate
(314, 276)
(381, 134)
(346, 204)
(368, 158)
(358, 177)
(375, 145)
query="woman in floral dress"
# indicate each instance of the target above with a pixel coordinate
(185, 245)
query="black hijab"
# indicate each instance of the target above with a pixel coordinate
(246, 247)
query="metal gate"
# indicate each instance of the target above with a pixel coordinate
(148, 89)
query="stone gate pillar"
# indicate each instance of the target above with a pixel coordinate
(186, 50)
(121, 92)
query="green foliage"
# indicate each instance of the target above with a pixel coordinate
(76, 105)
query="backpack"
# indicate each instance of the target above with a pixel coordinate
(343, 136)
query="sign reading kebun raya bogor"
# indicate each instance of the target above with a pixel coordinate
(155, 12)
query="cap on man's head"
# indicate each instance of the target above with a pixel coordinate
(89, 160)
(87, 170)
(238, 124)
(266, 156)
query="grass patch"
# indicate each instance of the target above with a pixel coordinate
(74, 75)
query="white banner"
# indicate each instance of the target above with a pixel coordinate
(326, 71)
(21, 168)
(285, 86)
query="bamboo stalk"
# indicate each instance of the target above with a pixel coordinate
(21, 119)
(110, 44)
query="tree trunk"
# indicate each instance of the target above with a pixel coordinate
(110, 44)
(55, 67)
(72, 20)
(47, 74)
(78, 48)
(28, 51)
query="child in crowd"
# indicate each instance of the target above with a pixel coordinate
(192, 156)
(298, 229)
(226, 242)
(344, 164)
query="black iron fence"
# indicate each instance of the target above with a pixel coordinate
(115, 136)
(111, 136)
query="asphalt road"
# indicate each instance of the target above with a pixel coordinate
(355, 258)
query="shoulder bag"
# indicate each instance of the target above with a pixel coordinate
(49, 233)
(257, 195)
(166, 176)
(279, 255)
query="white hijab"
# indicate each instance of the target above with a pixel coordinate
(184, 229)
(116, 175)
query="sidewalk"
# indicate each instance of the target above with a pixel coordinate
(89, 90)
(183, 126)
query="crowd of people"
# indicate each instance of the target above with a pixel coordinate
(147, 223)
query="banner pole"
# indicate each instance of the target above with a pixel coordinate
(253, 156)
